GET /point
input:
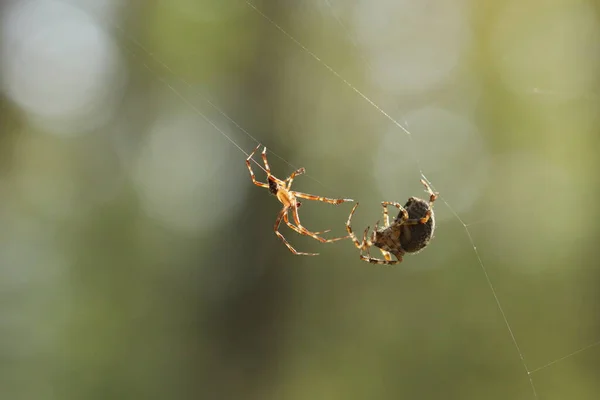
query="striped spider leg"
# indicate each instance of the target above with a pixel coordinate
(289, 199)
(410, 232)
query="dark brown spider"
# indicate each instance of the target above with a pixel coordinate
(410, 232)
(287, 197)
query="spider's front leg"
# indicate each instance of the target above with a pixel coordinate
(432, 195)
(295, 228)
(257, 183)
(357, 243)
(264, 157)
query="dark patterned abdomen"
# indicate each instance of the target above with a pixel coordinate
(416, 237)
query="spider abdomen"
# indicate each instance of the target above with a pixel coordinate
(409, 232)
(415, 237)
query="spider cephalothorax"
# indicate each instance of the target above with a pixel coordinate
(287, 197)
(273, 186)
(410, 232)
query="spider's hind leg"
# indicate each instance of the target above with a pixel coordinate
(296, 229)
(387, 261)
(314, 235)
(320, 198)
(281, 215)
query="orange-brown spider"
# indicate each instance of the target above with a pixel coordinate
(287, 197)
(410, 232)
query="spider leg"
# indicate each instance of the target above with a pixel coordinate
(366, 248)
(388, 260)
(432, 195)
(295, 228)
(386, 217)
(306, 232)
(405, 220)
(257, 183)
(264, 157)
(355, 240)
(399, 206)
(386, 255)
(289, 180)
(365, 245)
(283, 212)
(319, 198)
(253, 151)
(374, 233)
(417, 221)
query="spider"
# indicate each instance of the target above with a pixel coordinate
(410, 232)
(287, 197)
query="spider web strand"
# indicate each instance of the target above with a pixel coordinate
(349, 35)
(136, 42)
(366, 98)
(333, 71)
(378, 108)
(465, 226)
(492, 288)
(565, 357)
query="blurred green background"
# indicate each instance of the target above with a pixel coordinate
(138, 261)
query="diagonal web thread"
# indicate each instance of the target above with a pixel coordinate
(381, 111)
(465, 226)
(205, 97)
(365, 97)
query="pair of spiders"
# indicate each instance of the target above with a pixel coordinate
(409, 232)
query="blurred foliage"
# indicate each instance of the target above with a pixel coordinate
(137, 260)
